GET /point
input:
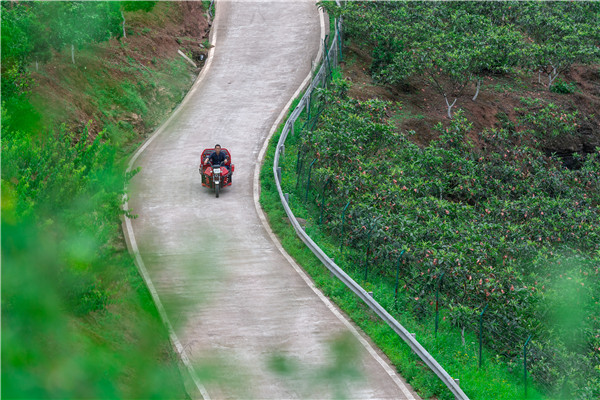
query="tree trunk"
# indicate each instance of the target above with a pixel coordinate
(477, 92)
(552, 76)
(73, 53)
(450, 106)
(123, 16)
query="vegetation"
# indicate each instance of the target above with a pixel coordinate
(459, 360)
(78, 320)
(455, 43)
(488, 217)
(520, 217)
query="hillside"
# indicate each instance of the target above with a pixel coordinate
(499, 96)
(452, 167)
(125, 86)
(78, 95)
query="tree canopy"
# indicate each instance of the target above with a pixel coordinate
(455, 43)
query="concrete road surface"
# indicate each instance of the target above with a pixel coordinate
(247, 318)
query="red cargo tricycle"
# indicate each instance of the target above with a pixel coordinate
(218, 176)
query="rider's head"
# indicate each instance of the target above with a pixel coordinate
(218, 148)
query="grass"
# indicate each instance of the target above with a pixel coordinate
(503, 85)
(493, 380)
(403, 115)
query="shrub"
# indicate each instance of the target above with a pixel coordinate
(562, 87)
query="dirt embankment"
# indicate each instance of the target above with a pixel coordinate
(423, 106)
(125, 86)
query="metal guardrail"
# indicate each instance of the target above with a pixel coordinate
(330, 58)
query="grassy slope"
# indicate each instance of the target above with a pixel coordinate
(105, 339)
(126, 86)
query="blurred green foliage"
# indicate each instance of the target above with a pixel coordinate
(33, 31)
(77, 319)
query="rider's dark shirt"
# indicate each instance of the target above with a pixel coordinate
(217, 158)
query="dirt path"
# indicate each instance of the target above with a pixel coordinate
(241, 310)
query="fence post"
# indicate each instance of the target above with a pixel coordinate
(481, 334)
(397, 276)
(327, 76)
(309, 106)
(525, 364)
(323, 199)
(342, 234)
(339, 31)
(437, 309)
(299, 168)
(367, 252)
(308, 180)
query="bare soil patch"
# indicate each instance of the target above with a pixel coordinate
(422, 107)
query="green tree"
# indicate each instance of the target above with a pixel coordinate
(78, 23)
(563, 34)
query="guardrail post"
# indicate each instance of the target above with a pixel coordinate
(282, 149)
(286, 196)
(308, 180)
(457, 381)
(323, 199)
(525, 364)
(437, 309)
(397, 276)
(481, 334)
(279, 174)
(342, 234)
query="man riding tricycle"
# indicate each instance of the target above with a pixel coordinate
(216, 168)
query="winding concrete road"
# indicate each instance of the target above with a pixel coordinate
(250, 320)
